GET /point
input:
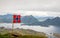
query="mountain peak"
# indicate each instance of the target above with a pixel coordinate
(57, 18)
(29, 19)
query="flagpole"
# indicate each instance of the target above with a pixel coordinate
(15, 17)
(12, 27)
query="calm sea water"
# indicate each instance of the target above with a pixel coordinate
(50, 29)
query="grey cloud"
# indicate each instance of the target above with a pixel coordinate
(33, 5)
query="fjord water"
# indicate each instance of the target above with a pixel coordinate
(50, 29)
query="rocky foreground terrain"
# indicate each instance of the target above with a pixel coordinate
(57, 35)
(20, 33)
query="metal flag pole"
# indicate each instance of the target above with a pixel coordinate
(16, 19)
(12, 25)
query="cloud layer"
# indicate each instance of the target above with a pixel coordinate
(40, 5)
(31, 5)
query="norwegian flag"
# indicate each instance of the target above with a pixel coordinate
(16, 19)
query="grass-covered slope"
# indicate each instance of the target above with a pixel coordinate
(21, 33)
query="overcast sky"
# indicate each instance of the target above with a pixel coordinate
(36, 7)
(31, 7)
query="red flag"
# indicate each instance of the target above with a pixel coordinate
(16, 19)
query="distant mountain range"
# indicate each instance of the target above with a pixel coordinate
(32, 20)
(6, 18)
(54, 21)
(29, 20)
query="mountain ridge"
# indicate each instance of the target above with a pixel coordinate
(31, 20)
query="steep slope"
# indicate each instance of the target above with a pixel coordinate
(30, 20)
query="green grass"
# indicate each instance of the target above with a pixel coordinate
(20, 36)
(22, 33)
(32, 36)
